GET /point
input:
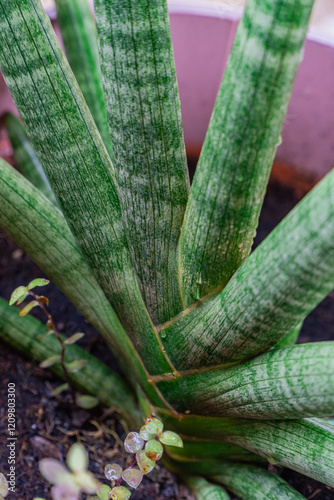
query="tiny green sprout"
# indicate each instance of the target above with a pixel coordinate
(21, 292)
(50, 361)
(76, 365)
(26, 310)
(113, 472)
(104, 492)
(77, 458)
(3, 486)
(59, 389)
(152, 428)
(22, 298)
(86, 402)
(17, 294)
(120, 493)
(37, 282)
(67, 484)
(145, 464)
(49, 332)
(171, 439)
(133, 442)
(74, 338)
(154, 450)
(133, 477)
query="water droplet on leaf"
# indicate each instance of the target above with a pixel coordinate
(113, 472)
(133, 442)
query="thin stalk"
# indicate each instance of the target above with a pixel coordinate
(51, 325)
(28, 335)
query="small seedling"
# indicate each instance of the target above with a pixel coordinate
(19, 295)
(147, 448)
(68, 483)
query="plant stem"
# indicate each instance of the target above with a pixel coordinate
(50, 324)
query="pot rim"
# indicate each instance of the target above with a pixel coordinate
(222, 10)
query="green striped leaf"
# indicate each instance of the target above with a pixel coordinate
(233, 169)
(94, 378)
(290, 382)
(204, 490)
(76, 162)
(248, 482)
(270, 294)
(26, 157)
(40, 229)
(304, 445)
(78, 31)
(197, 449)
(253, 483)
(291, 338)
(146, 132)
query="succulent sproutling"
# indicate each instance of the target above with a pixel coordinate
(204, 329)
(147, 447)
(19, 295)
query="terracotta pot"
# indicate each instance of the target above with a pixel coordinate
(203, 33)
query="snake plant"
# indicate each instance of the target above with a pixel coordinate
(203, 329)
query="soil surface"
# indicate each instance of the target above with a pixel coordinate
(46, 427)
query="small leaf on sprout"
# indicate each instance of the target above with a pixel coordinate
(61, 388)
(104, 492)
(120, 493)
(86, 481)
(145, 464)
(3, 485)
(154, 450)
(17, 294)
(145, 435)
(50, 361)
(52, 470)
(171, 439)
(76, 365)
(113, 472)
(86, 402)
(22, 298)
(37, 282)
(74, 338)
(49, 332)
(77, 458)
(133, 442)
(28, 307)
(153, 427)
(133, 477)
(65, 492)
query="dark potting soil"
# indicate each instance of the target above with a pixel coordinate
(46, 427)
